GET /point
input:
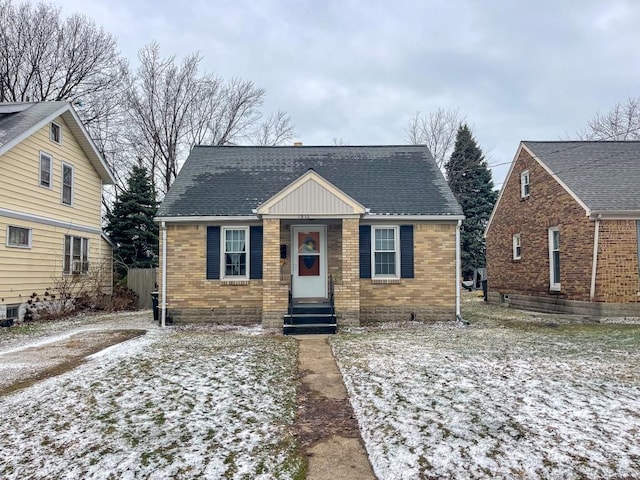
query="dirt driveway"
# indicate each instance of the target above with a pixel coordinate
(58, 347)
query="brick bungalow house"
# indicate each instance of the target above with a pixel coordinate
(247, 231)
(564, 233)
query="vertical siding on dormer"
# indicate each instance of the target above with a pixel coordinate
(311, 198)
(19, 170)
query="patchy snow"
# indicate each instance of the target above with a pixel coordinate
(34, 334)
(534, 401)
(174, 403)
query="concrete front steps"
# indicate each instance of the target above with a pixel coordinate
(310, 318)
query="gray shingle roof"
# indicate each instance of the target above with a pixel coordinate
(226, 181)
(16, 118)
(603, 175)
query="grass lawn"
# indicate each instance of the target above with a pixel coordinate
(513, 395)
(175, 403)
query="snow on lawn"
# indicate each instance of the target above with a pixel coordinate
(175, 403)
(13, 338)
(492, 400)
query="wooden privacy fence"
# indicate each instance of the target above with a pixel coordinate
(143, 282)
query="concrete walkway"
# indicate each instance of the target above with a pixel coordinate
(326, 425)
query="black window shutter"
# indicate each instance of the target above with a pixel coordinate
(255, 256)
(365, 251)
(406, 251)
(213, 253)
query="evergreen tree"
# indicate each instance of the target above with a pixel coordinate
(130, 223)
(470, 180)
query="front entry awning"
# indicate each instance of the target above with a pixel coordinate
(311, 196)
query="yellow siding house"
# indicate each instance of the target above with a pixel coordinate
(51, 177)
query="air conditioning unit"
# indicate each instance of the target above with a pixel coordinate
(78, 266)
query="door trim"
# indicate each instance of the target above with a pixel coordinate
(321, 292)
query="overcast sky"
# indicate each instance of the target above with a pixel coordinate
(357, 70)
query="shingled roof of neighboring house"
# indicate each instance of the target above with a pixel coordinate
(604, 175)
(20, 120)
(231, 180)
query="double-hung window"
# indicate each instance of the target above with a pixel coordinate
(524, 184)
(234, 253)
(554, 258)
(18, 237)
(76, 254)
(45, 170)
(385, 252)
(55, 133)
(517, 249)
(67, 184)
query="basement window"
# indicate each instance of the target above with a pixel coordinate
(13, 311)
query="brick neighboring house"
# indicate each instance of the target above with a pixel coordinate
(244, 227)
(564, 233)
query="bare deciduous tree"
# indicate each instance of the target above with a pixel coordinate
(339, 142)
(276, 129)
(622, 122)
(173, 107)
(45, 57)
(437, 131)
(161, 97)
(227, 113)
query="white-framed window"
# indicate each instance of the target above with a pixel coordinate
(67, 184)
(18, 237)
(554, 258)
(45, 170)
(517, 249)
(13, 311)
(385, 254)
(76, 255)
(524, 184)
(55, 133)
(235, 245)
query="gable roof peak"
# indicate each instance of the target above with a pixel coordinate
(20, 120)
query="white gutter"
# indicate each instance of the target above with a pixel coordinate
(163, 227)
(208, 219)
(444, 218)
(594, 263)
(615, 214)
(255, 218)
(458, 270)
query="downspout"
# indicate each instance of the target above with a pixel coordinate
(163, 227)
(458, 274)
(594, 263)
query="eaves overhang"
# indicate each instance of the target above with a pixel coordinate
(614, 214)
(206, 218)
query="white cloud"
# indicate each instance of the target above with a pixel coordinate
(357, 70)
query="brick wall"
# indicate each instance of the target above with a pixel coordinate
(347, 293)
(431, 295)
(549, 205)
(617, 279)
(275, 289)
(191, 296)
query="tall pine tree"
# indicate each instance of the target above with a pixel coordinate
(130, 223)
(470, 180)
